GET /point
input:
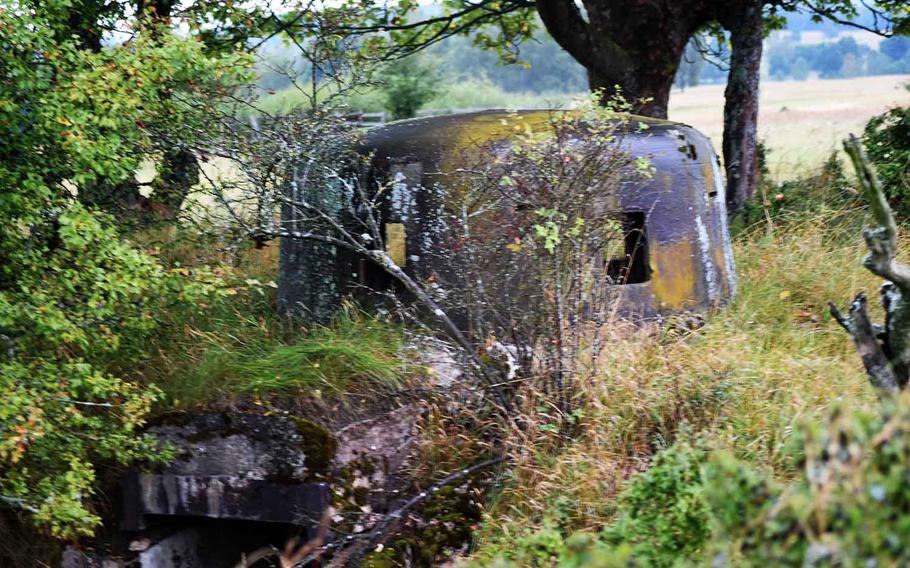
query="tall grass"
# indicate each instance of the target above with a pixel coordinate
(355, 352)
(243, 355)
(238, 347)
(745, 381)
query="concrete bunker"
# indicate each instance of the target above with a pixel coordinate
(677, 252)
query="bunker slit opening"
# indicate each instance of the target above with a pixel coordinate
(630, 265)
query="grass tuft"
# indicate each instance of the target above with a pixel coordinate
(257, 357)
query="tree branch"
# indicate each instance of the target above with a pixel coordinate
(881, 240)
(860, 328)
(17, 503)
(885, 353)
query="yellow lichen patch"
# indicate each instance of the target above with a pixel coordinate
(708, 172)
(673, 274)
(467, 136)
(395, 240)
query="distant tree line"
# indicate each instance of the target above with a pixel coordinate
(836, 59)
(543, 66)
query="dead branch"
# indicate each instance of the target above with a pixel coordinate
(293, 552)
(885, 350)
(861, 329)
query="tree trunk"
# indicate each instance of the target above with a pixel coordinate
(649, 93)
(740, 144)
(629, 47)
(178, 173)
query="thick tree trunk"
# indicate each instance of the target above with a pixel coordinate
(649, 94)
(740, 144)
(629, 47)
(177, 174)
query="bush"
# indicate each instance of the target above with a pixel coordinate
(827, 191)
(408, 84)
(887, 140)
(851, 509)
(662, 515)
(75, 299)
(661, 519)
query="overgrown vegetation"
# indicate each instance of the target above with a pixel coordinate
(75, 298)
(745, 384)
(694, 508)
(624, 445)
(407, 85)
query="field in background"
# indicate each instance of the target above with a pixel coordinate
(801, 122)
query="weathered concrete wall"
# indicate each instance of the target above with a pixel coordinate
(234, 466)
(308, 282)
(180, 550)
(689, 256)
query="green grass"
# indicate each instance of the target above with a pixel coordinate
(357, 352)
(239, 347)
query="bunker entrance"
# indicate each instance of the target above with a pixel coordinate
(627, 249)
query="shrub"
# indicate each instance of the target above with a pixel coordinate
(826, 191)
(661, 519)
(887, 141)
(75, 297)
(408, 84)
(851, 509)
(662, 515)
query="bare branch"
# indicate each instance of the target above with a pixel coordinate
(882, 239)
(885, 351)
(17, 503)
(860, 328)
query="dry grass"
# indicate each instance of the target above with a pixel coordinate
(801, 122)
(745, 381)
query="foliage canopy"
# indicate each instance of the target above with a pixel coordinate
(74, 296)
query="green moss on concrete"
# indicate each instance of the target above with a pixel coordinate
(319, 446)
